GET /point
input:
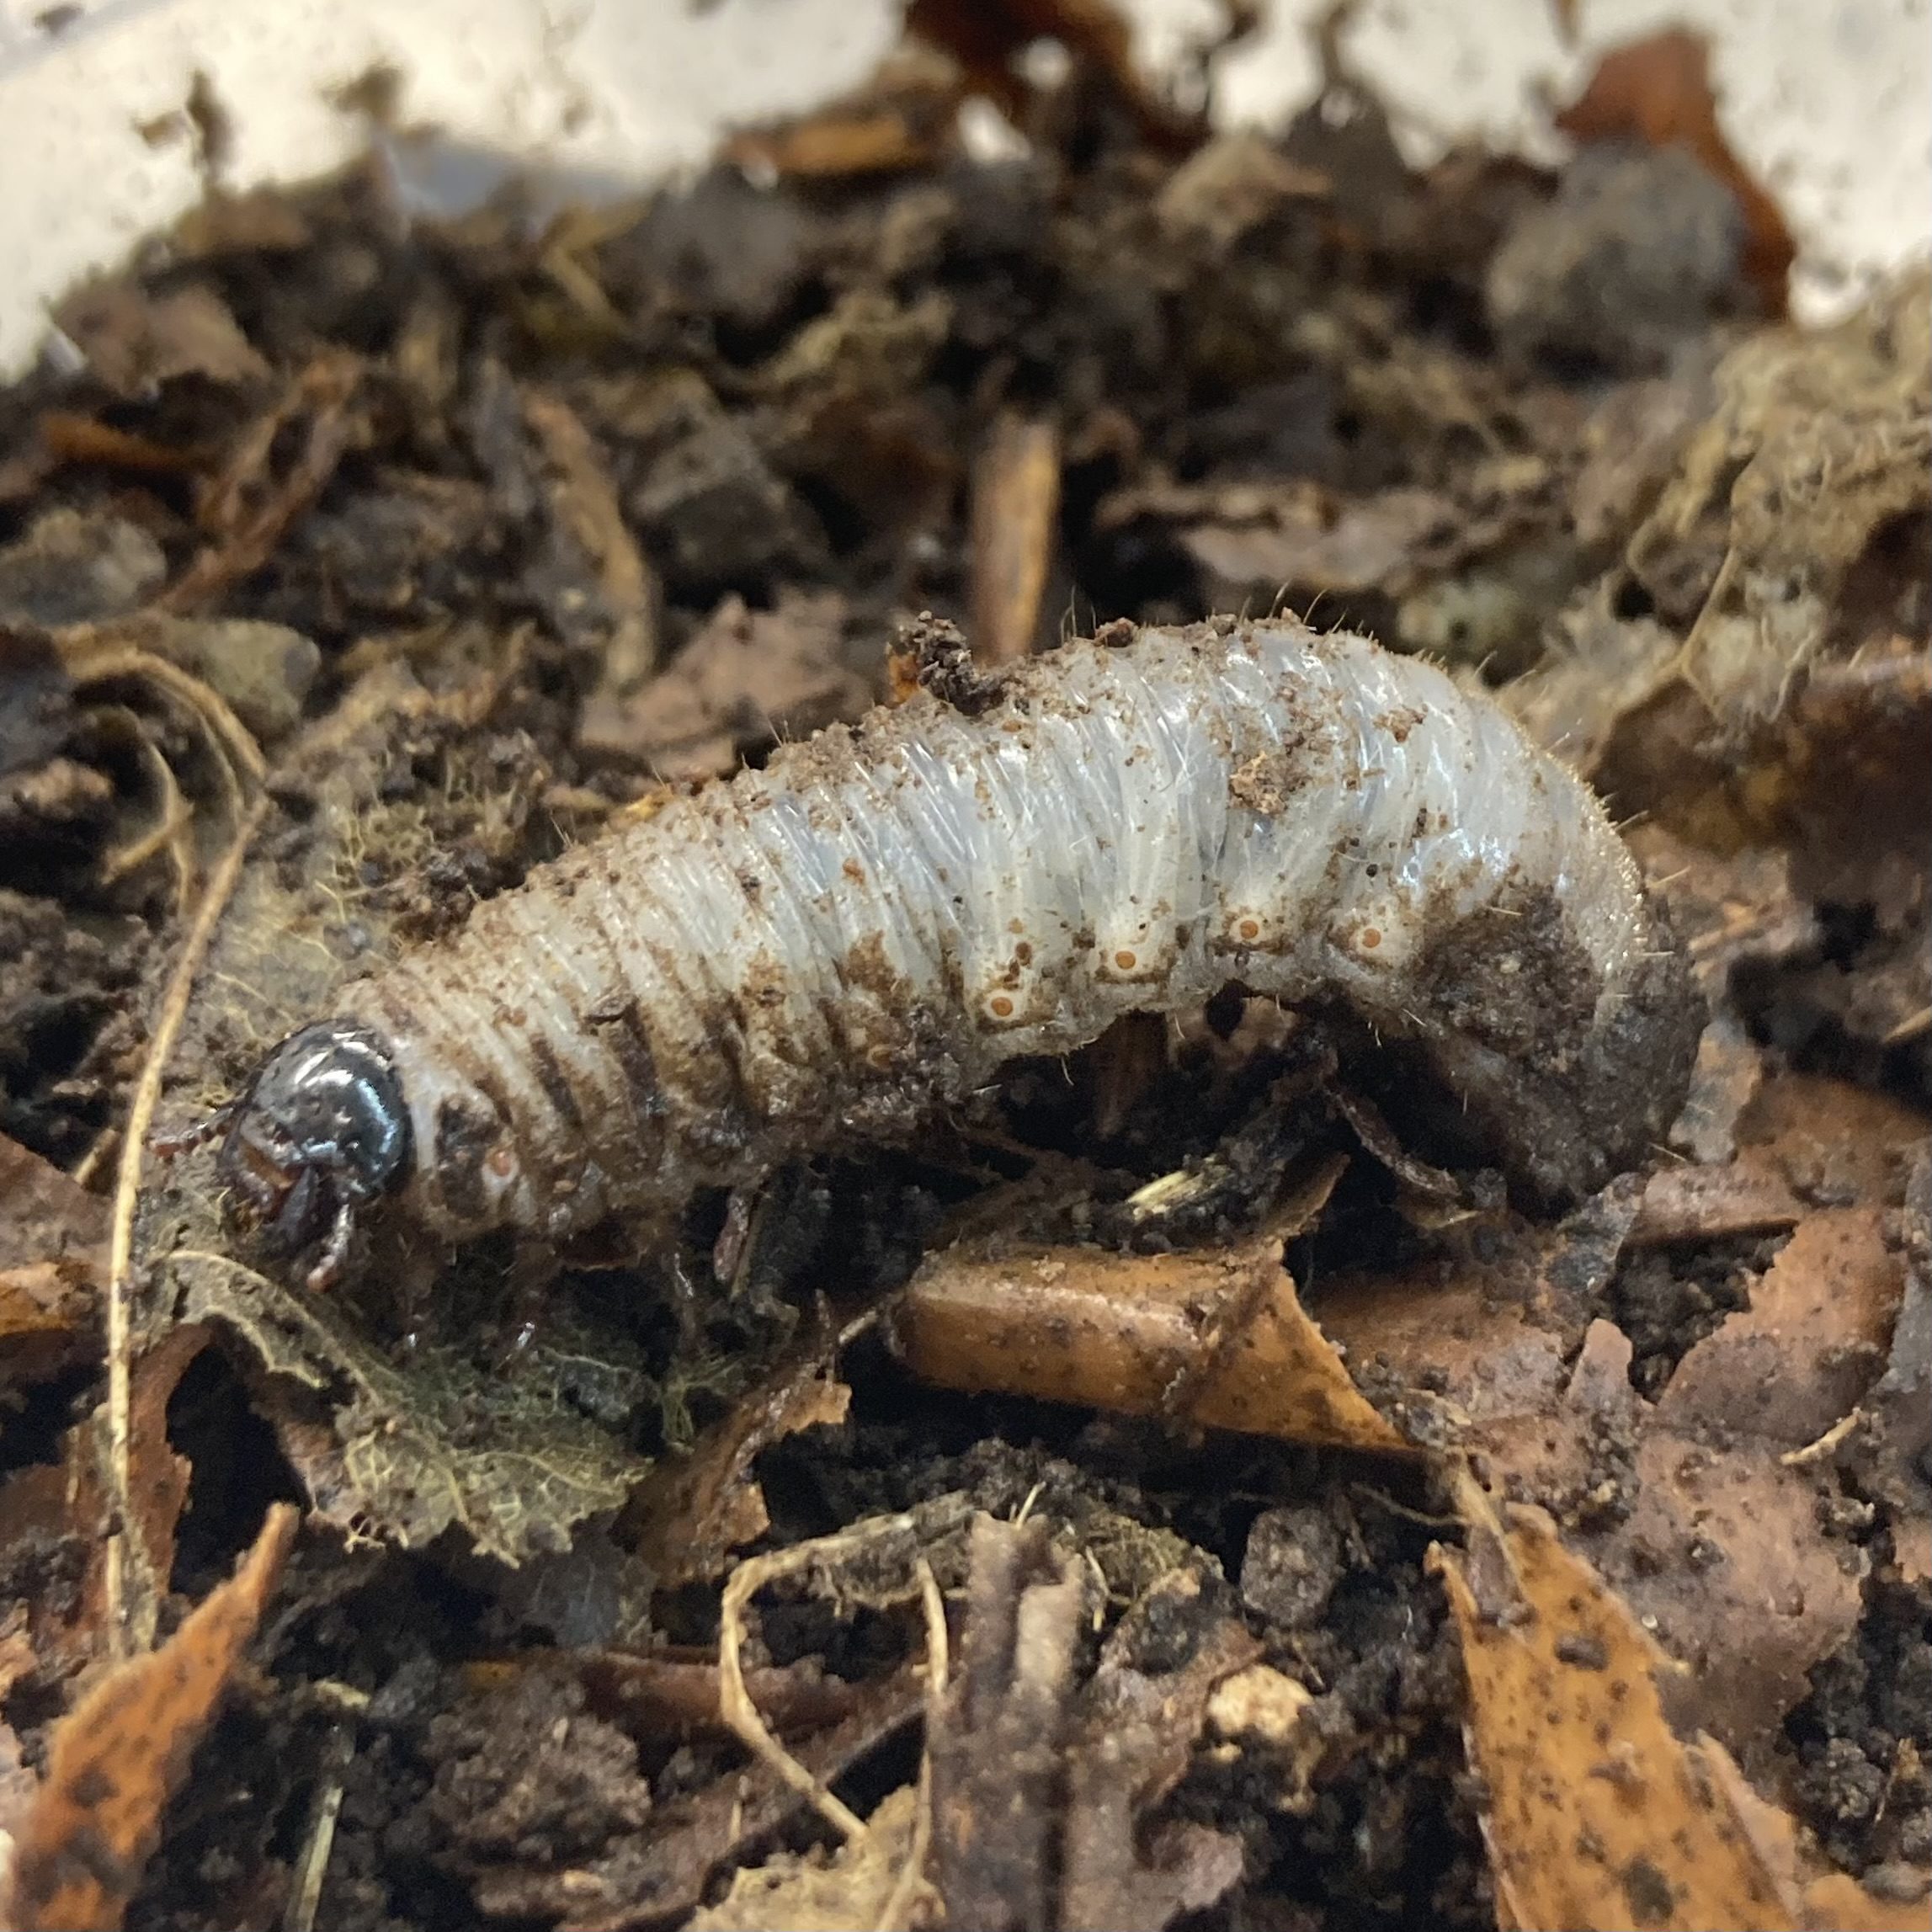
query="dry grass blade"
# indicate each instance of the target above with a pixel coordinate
(1015, 508)
(131, 1619)
(585, 496)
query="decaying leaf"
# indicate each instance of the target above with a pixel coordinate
(698, 1508)
(53, 1258)
(1812, 1341)
(852, 1892)
(1697, 1508)
(120, 1753)
(406, 1454)
(1598, 1813)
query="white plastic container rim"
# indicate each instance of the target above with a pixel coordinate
(1829, 104)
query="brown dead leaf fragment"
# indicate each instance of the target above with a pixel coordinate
(699, 1507)
(1015, 507)
(748, 679)
(1217, 1340)
(1658, 90)
(249, 508)
(1691, 1515)
(1812, 1341)
(133, 342)
(119, 1754)
(53, 1259)
(1600, 1814)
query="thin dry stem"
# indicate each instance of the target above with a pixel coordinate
(221, 884)
(735, 1705)
(912, 1885)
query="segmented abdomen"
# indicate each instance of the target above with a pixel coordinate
(829, 949)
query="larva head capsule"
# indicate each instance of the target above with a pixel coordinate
(322, 1130)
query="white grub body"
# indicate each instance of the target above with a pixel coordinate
(827, 951)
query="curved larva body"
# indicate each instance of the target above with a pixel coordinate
(827, 949)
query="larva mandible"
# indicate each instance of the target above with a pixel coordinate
(827, 950)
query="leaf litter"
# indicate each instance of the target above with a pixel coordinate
(1181, 1486)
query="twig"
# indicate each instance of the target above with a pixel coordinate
(221, 883)
(312, 1868)
(1819, 1450)
(233, 743)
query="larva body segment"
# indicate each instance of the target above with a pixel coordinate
(827, 950)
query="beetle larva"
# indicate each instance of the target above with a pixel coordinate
(828, 950)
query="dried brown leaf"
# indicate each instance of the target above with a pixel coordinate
(1716, 1542)
(1598, 1817)
(1219, 1340)
(119, 1754)
(1601, 1812)
(1812, 1341)
(697, 1509)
